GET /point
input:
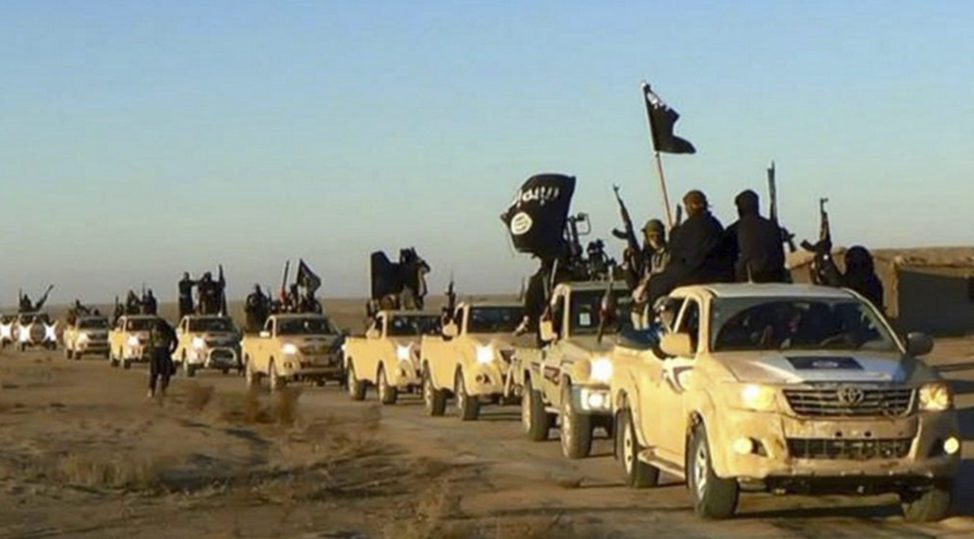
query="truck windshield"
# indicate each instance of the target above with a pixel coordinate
(587, 312)
(93, 323)
(494, 319)
(317, 325)
(402, 325)
(797, 324)
(140, 324)
(211, 325)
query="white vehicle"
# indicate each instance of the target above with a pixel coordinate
(207, 342)
(127, 340)
(87, 335)
(34, 329)
(293, 348)
(7, 329)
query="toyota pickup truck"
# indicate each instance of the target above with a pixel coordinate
(207, 342)
(783, 389)
(293, 348)
(567, 380)
(34, 329)
(127, 340)
(86, 335)
(471, 357)
(387, 356)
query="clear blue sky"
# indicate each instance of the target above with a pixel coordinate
(138, 139)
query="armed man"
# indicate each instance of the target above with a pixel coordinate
(162, 343)
(209, 294)
(256, 310)
(756, 243)
(653, 258)
(132, 303)
(149, 304)
(26, 305)
(185, 295)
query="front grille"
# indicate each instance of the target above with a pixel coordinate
(842, 449)
(830, 402)
(221, 355)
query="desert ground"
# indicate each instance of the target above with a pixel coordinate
(83, 453)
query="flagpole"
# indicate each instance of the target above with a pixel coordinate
(657, 159)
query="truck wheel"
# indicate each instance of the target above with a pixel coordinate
(638, 474)
(927, 506)
(356, 388)
(251, 377)
(387, 393)
(434, 400)
(126, 364)
(535, 421)
(67, 353)
(576, 428)
(113, 359)
(276, 382)
(188, 369)
(468, 408)
(713, 497)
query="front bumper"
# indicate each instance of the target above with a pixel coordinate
(91, 347)
(219, 357)
(484, 380)
(138, 354)
(592, 399)
(404, 375)
(786, 449)
(313, 367)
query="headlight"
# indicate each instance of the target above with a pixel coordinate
(289, 349)
(199, 343)
(402, 352)
(602, 369)
(83, 338)
(485, 354)
(935, 397)
(757, 397)
(132, 341)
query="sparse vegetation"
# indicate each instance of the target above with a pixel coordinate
(128, 473)
(198, 397)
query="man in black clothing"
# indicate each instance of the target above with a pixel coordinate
(162, 344)
(755, 242)
(860, 275)
(209, 293)
(132, 304)
(149, 305)
(256, 309)
(185, 295)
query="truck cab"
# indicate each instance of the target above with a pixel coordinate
(207, 342)
(469, 360)
(387, 356)
(567, 379)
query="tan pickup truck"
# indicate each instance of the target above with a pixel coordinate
(471, 357)
(783, 388)
(127, 340)
(207, 342)
(34, 329)
(387, 357)
(293, 348)
(87, 335)
(568, 378)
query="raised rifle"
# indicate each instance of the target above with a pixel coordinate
(823, 269)
(287, 266)
(40, 303)
(786, 237)
(679, 216)
(576, 258)
(628, 234)
(451, 299)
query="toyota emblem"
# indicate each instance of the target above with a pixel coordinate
(850, 396)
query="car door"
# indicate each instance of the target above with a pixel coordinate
(677, 373)
(647, 373)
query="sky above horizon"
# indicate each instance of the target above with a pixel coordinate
(142, 139)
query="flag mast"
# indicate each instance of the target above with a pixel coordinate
(656, 158)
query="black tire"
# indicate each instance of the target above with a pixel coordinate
(356, 387)
(225, 370)
(929, 505)
(188, 369)
(535, 421)
(275, 381)
(387, 394)
(251, 377)
(67, 353)
(713, 497)
(126, 364)
(113, 360)
(468, 408)
(638, 474)
(434, 400)
(576, 428)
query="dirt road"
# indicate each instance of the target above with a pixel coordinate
(84, 454)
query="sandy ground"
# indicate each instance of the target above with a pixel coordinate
(83, 453)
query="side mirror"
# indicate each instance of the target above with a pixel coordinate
(546, 330)
(918, 344)
(265, 334)
(372, 333)
(450, 331)
(677, 345)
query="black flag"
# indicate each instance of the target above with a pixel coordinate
(385, 276)
(307, 278)
(536, 218)
(661, 121)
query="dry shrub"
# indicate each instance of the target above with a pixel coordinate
(285, 410)
(249, 409)
(134, 474)
(431, 514)
(198, 397)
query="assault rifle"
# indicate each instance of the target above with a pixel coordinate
(451, 301)
(786, 237)
(823, 269)
(628, 234)
(287, 266)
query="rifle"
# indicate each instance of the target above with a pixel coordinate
(576, 258)
(629, 235)
(451, 299)
(223, 292)
(786, 237)
(823, 269)
(40, 303)
(824, 243)
(606, 309)
(679, 216)
(287, 266)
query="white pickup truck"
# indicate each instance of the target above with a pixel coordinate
(292, 348)
(207, 342)
(87, 335)
(34, 329)
(387, 357)
(471, 357)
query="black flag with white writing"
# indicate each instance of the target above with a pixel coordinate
(307, 278)
(536, 218)
(661, 121)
